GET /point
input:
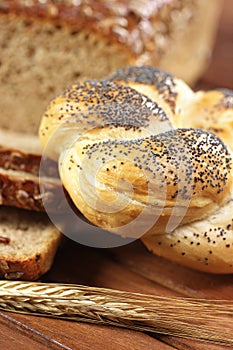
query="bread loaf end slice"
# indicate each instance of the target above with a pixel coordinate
(28, 244)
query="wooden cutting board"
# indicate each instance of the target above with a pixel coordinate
(129, 268)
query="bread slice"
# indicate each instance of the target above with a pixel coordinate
(28, 240)
(17, 159)
(28, 243)
(21, 186)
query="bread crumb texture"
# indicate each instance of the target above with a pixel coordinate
(28, 245)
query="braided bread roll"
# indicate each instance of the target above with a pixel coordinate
(129, 170)
(206, 244)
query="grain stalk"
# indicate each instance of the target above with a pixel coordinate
(183, 317)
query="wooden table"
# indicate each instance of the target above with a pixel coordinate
(129, 268)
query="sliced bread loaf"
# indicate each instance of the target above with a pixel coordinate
(28, 243)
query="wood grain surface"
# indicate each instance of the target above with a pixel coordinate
(129, 268)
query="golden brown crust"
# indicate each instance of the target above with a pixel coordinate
(29, 268)
(206, 245)
(215, 113)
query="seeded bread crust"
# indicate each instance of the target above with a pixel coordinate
(173, 189)
(209, 110)
(117, 21)
(15, 159)
(133, 24)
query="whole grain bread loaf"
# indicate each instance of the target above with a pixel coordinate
(47, 45)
